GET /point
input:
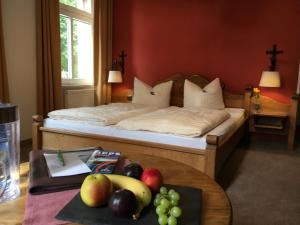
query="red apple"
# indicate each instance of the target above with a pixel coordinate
(96, 190)
(152, 178)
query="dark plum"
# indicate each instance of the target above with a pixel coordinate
(133, 170)
(123, 203)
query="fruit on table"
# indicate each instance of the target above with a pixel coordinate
(133, 170)
(152, 178)
(123, 203)
(140, 190)
(167, 209)
(162, 219)
(95, 190)
(172, 220)
(176, 211)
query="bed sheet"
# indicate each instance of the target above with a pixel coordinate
(235, 120)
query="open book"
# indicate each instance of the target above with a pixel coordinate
(93, 160)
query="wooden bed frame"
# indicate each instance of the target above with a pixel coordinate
(207, 160)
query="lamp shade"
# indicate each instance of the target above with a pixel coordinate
(115, 76)
(270, 79)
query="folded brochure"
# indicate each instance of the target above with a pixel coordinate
(72, 165)
(103, 161)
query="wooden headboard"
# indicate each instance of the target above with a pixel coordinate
(177, 92)
(230, 100)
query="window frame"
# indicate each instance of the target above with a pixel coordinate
(86, 17)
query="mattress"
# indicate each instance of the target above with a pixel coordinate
(235, 120)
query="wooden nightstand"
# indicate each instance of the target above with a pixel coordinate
(275, 118)
(271, 122)
(122, 96)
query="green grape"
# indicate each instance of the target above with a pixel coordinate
(158, 195)
(174, 202)
(175, 196)
(163, 190)
(160, 210)
(172, 220)
(156, 202)
(162, 219)
(165, 203)
(176, 211)
(170, 192)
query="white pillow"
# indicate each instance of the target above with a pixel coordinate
(158, 96)
(210, 97)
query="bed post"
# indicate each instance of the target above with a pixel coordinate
(292, 121)
(210, 161)
(210, 155)
(37, 122)
(247, 99)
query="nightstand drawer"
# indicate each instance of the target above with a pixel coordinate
(270, 122)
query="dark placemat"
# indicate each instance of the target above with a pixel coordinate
(40, 182)
(76, 211)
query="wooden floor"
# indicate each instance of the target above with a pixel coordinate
(25, 148)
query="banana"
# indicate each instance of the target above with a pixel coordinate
(140, 190)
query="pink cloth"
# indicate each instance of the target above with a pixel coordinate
(41, 209)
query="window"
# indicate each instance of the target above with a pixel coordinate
(76, 36)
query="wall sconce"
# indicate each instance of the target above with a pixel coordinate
(118, 68)
(271, 78)
(115, 76)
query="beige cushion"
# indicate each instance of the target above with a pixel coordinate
(210, 97)
(158, 96)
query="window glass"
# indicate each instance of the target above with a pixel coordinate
(65, 46)
(76, 34)
(82, 50)
(85, 5)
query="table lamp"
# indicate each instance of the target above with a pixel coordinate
(115, 76)
(270, 79)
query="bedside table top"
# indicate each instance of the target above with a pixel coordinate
(269, 113)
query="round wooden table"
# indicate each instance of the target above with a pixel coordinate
(216, 206)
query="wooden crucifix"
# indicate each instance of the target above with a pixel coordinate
(122, 61)
(119, 63)
(274, 52)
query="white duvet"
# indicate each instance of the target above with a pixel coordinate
(178, 121)
(103, 114)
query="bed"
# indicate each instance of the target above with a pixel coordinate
(206, 153)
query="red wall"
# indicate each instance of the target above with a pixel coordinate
(225, 38)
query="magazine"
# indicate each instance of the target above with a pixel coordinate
(103, 161)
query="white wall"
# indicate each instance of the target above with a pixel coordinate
(18, 17)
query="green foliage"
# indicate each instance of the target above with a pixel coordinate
(64, 29)
(64, 45)
(64, 38)
(75, 49)
(64, 42)
(68, 2)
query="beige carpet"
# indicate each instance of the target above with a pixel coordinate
(262, 180)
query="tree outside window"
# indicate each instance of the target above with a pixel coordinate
(76, 40)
